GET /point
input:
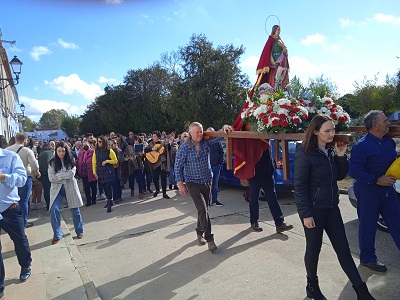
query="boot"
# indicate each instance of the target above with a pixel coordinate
(313, 290)
(362, 292)
(109, 204)
(112, 203)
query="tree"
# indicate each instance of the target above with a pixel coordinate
(211, 87)
(91, 121)
(52, 118)
(370, 95)
(29, 125)
(70, 125)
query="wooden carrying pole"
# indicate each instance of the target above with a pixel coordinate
(279, 138)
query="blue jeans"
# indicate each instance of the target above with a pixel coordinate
(24, 193)
(55, 216)
(216, 170)
(270, 194)
(13, 224)
(171, 177)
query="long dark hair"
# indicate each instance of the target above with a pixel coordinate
(3, 142)
(311, 141)
(104, 144)
(56, 161)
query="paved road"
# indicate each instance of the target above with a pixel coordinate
(146, 249)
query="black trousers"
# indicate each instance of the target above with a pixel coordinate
(90, 190)
(13, 224)
(44, 179)
(201, 195)
(331, 221)
(157, 173)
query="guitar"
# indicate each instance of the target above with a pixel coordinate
(154, 155)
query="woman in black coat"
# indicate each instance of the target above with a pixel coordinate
(103, 161)
(318, 165)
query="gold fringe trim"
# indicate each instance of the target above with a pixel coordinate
(263, 70)
(238, 167)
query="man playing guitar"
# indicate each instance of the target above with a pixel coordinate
(157, 154)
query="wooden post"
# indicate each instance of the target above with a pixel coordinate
(229, 153)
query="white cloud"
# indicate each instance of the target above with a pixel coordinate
(148, 19)
(103, 79)
(39, 51)
(115, 2)
(250, 62)
(386, 19)
(35, 107)
(180, 13)
(313, 39)
(72, 84)
(67, 45)
(346, 22)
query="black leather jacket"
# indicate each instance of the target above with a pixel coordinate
(315, 181)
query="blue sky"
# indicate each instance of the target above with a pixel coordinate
(72, 49)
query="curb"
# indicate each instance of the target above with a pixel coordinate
(78, 263)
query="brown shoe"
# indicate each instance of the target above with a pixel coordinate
(53, 242)
(79, 236)
(211, 246)
(283, 227)
(201, 240)
(256, 227)
(141, 195)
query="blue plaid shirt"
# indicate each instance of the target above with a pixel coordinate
(193, 166)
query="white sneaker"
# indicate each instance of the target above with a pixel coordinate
(102, 197)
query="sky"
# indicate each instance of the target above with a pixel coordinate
(71, 49)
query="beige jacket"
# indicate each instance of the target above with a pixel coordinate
(66, 178)
(28, 158)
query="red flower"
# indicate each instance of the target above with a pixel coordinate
(342, 119)
(265, 121)
(269, 111)
(332, 109)
(282, 117)
(296, 121)
(270, 103)
(262, 115)
(334, 105)
(333, 116)
(296, 109)
(328, 101)
(310, 104)
(273, 115)
(275, 122)
(291, 114)
(284, 123)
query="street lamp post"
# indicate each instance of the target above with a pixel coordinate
(21, 116)
(16, 65)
